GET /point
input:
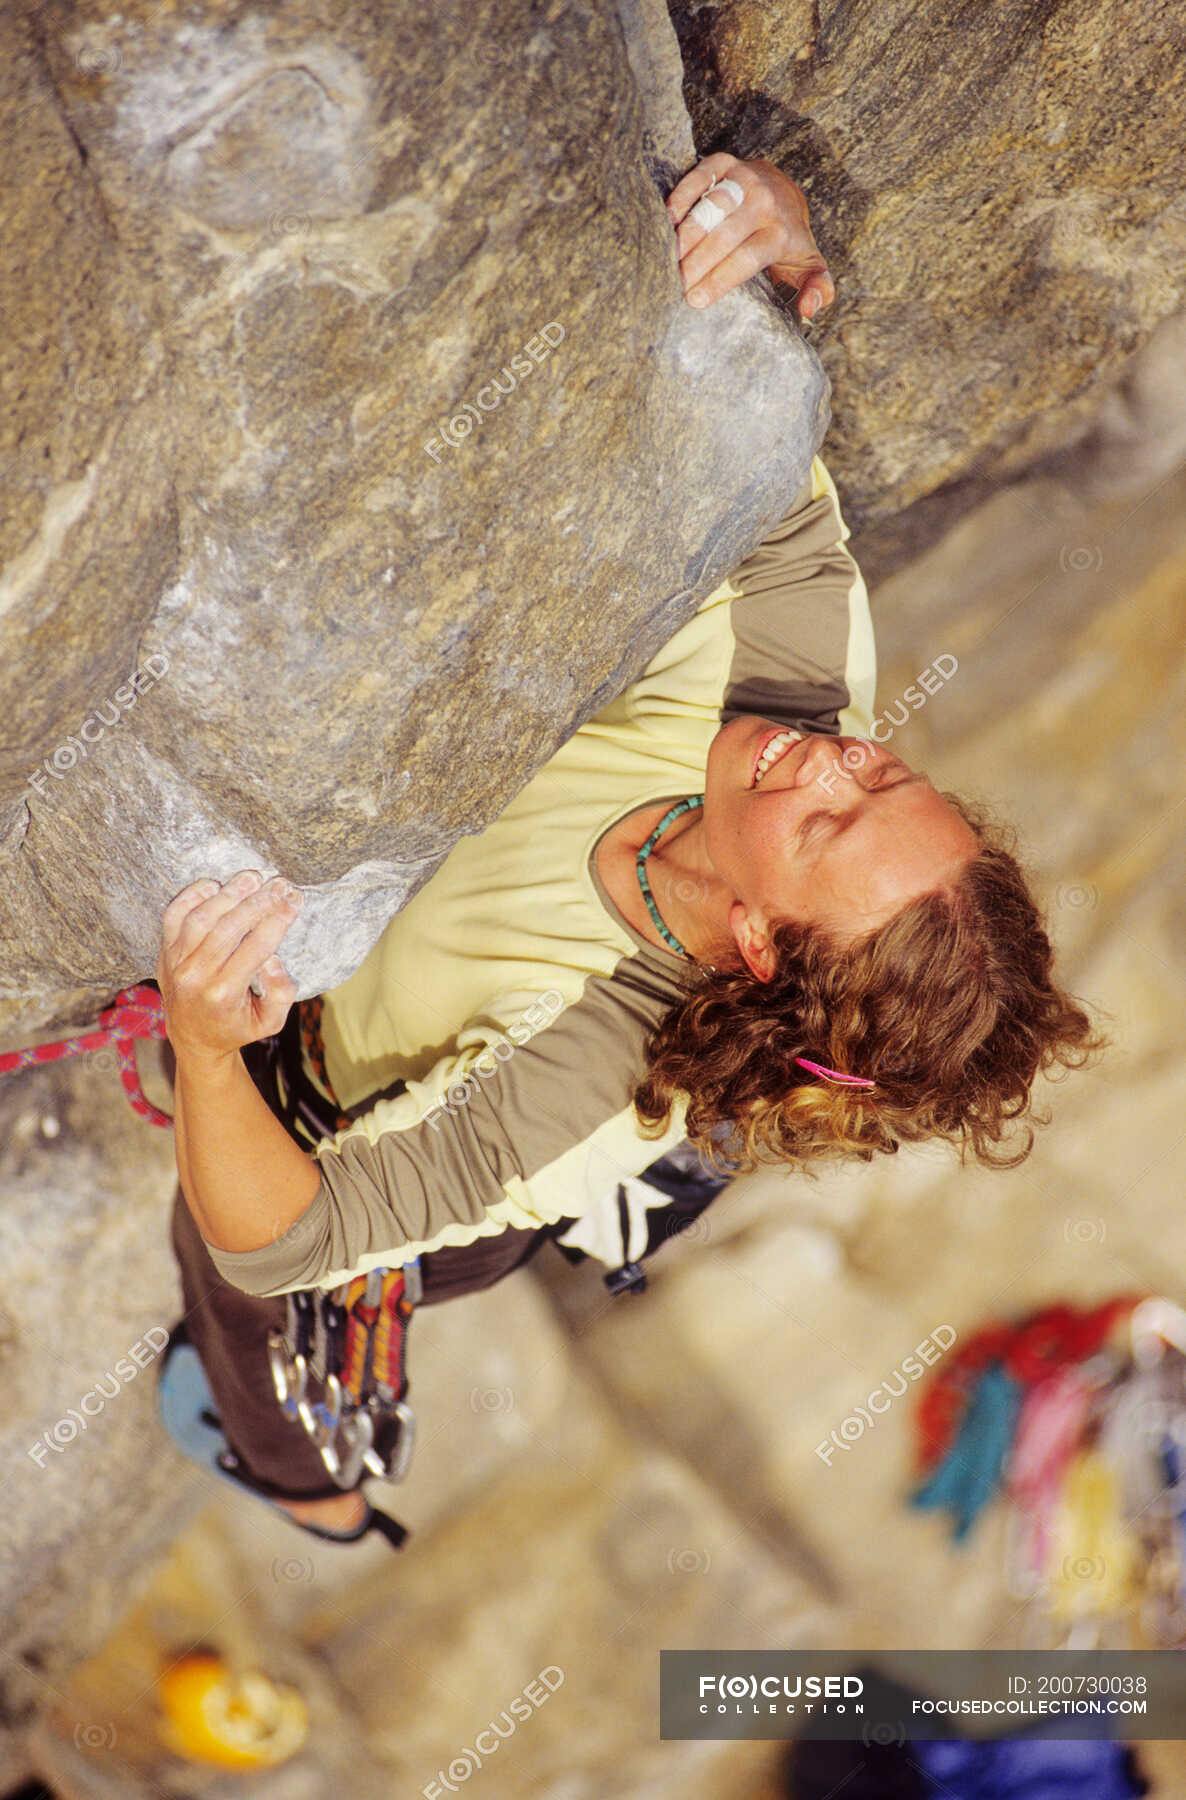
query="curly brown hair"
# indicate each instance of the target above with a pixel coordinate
(949, 1007)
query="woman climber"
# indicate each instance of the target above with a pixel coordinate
(721, 927)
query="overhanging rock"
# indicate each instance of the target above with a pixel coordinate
(360, 446)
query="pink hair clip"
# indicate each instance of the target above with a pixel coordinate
(833, 1074)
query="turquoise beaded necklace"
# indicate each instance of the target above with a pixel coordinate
(640, 864)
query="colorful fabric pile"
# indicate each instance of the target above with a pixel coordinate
(1078, 1417)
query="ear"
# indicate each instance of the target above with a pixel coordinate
(755, 947)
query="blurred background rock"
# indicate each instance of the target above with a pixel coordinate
(597, 1479)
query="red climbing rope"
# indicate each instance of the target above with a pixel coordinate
(136, 1012)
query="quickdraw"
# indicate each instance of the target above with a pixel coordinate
(339, 1368)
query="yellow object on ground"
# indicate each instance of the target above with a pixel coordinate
(233, 1722)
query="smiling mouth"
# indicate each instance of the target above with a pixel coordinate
(772, 750)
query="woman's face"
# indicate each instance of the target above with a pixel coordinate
(843, 844)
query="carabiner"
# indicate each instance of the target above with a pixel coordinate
(357, 1431)
(290, 1373)
(322, 1419)
(394, 1466)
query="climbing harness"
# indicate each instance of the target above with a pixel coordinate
(339, 1368)
(136, 1012)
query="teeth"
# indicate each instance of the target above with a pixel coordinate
(776, 748)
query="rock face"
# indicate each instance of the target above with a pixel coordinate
(999, 191)
(360, 445)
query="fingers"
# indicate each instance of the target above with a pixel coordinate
(818, 291)
(204, 933)
(697, 181)
(815, 285)
(189, 916)
(182, 904)
(696, 244)
(218, 941)
(277, 993)
(700, 250)
(768, 228)
(720, 277)
(266, 925)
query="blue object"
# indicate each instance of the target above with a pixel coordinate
(183, 1398)
(187, 1410)
(1029, 1768)
(971, 1472)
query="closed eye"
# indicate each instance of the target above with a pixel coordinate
(816, 824)
(813, 826)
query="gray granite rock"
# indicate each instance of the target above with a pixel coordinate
(360, 445)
